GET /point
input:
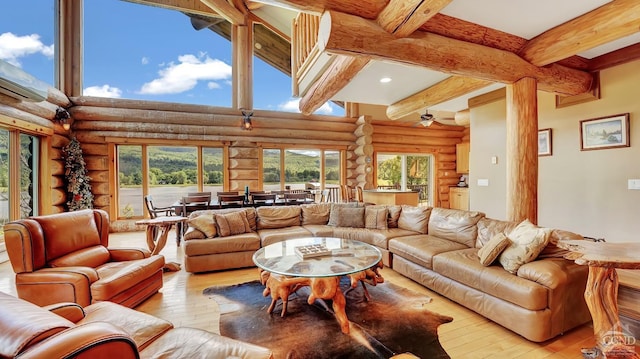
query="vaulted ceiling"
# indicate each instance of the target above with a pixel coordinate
(439, 53)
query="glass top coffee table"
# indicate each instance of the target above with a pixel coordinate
(289, 268)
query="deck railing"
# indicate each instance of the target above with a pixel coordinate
(304, 46)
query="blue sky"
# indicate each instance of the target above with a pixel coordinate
(140, 52)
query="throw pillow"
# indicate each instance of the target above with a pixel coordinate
(527, 241)
(193, 233)
(492, 249)
(350, 217)
(375, 218)
(333, 216)
(232, 223)
(205, 224)
(317, 213)
(394, 215)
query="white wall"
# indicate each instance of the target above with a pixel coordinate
(582, 191)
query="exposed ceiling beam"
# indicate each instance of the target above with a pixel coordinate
(402, 17)
(226, 10)
(615, 58)
(447, 89)
(346, 34)
(368, 9)
(188, 6)
(609, 22)
(413, 13)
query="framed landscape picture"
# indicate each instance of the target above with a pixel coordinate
(544, 142)
(604, 132)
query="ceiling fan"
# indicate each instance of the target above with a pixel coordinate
(427, 119)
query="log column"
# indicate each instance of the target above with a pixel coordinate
(522, 150)
(242, 66)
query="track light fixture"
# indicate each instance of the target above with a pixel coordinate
(63, 116)
(246, 120)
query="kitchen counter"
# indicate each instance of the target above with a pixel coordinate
(390, 196)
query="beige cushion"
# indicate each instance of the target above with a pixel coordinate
(350, 217)
(317, 213)
(414, 218)
(270, 217)
(527, 241)
(394, 215)
(490, 251)
(232, 223)
(205, 224)
(375, 218)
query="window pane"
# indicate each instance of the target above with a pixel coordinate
(389, 171)
(301, 166)
(418, 175)
(173, 173)
(4, 181)
(29, 149)
(136, 60)
(130, 201)
(27, 29)
(212, 170)
(271, 170)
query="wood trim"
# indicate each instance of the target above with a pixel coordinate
(161, 142)
(615, 58)
(489, 97)
(25, 126)
(592, 95)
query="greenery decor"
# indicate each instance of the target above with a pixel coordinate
(79, 194)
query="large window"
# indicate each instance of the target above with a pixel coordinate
(19, 152)
(173, 171)
(301, 168)
(406, 172)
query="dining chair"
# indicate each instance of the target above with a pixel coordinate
(226, 193)
(231, 200)
(296, 198)
(194, 203)
(207, 193)
(263, 199)
(359, 194)
(347, 193)
(324, 195)
(154, 211)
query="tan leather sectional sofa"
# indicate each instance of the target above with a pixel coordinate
(438, 248)
(106, 330)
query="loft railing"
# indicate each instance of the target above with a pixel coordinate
(304, 47)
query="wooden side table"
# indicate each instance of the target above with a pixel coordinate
(601, 293)
(157, 231)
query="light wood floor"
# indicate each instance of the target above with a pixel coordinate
(468, 336)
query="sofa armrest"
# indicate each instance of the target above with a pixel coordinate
(67, 310)
(127, 254)
(55, 285)
(92, 340)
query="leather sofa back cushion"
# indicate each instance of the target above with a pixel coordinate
(87, 257)
(455, 225)
(25, 324)
(552, 250)
(489, 227)
(78, 228)
(278, 217)
(414, 218)
(317, 213)
(232, 223)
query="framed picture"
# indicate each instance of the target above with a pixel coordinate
(604, 132)
(544, 142)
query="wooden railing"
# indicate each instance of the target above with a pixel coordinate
(304, 49)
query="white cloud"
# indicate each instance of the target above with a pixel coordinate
(13, 47)
(102, 91)
(293, 106)
(145, 60)
(183, 76)
(213, 85)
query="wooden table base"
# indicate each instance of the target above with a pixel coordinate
(157, 232)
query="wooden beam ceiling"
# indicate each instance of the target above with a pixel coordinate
(188, 6)
(412, 14)
(609, 22)
(447, 89)
(351, 35)
(226, 10)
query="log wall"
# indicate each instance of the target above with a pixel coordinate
(437, 140)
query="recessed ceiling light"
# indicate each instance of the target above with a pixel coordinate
(385, 80)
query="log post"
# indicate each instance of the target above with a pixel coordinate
(522, 150)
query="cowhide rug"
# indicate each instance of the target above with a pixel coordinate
(394, 321)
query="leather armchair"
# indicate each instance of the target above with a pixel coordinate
(106, 330)
(65, 257)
